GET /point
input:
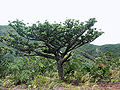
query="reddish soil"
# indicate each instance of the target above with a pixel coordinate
(102, 86)
(113, 86)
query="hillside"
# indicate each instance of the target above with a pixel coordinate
(95, 50)
(3, 29)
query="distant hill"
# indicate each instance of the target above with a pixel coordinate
(3, 29)
(95, 50)
(92, 50)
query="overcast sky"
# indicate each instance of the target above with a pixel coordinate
(107, 13)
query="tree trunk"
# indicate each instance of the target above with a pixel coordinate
(60, 70)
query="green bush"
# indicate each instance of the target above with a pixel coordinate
(25, 69)
(8, 81)
(4, 61)
(83, 72)
(1, 81)
(100, 72)
(39, 81)
(115, 75)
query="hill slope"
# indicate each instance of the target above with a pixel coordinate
(95, 50)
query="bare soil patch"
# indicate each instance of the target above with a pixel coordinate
(99, 86)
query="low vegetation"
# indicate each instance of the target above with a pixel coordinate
(39, 72)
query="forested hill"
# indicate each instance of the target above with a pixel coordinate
(95, 50)
(3, 29)
(91, 49)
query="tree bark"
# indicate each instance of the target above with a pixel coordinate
(60, 70)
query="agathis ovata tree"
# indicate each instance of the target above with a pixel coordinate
(53, 41)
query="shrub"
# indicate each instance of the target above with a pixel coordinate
(39, 81)
(8, 81)
(100, 72)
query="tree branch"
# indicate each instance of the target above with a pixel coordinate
(73, 42)
(67, 58)
(38, 53)
(86, 56)
(43, 55)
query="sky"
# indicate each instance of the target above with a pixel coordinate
(106, 12)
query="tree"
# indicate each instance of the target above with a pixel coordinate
(54, 41)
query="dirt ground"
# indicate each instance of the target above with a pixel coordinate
(99, 86)
(113, 86)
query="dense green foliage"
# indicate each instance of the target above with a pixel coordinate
(5, 59)
(37, 71)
